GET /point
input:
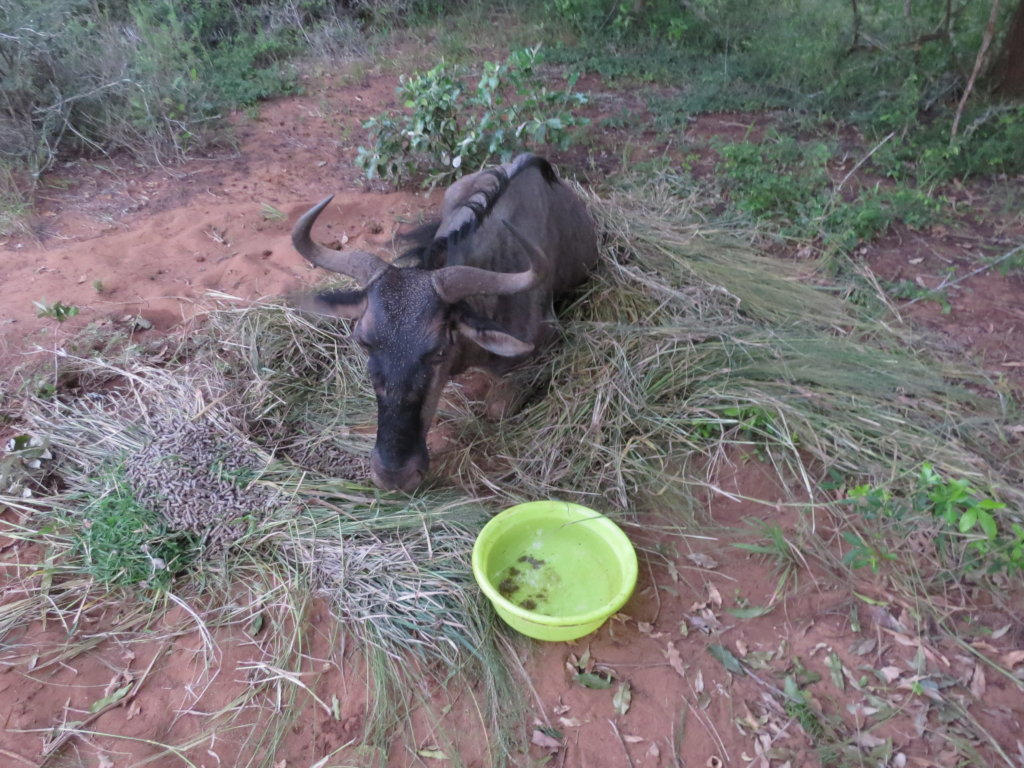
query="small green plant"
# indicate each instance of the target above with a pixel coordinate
(786, 558)
(866, 551)
(453, 129)
(908, 290)
(59, 311)
(971, 533)
(122, 543)
(270, 213)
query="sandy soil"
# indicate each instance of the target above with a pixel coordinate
(123, 243)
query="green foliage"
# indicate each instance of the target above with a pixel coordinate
(893, 69)
(122, 543)
(12, 202)
(59, 311)
(908, 290)
(150, 78)
(787, 182)
(453, 129)
(972, 533)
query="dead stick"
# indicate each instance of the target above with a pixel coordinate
(986, 41)
(984, 267)
(622, 741)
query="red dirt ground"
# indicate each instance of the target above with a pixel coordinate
(121, 242)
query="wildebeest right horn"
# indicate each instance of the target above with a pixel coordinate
(361, 266)
(455, 283)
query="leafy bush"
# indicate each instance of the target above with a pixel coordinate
(453, 129)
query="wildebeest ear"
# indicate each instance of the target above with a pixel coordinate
(491, 336)
(349, 305)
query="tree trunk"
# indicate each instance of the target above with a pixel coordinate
(1008, 69)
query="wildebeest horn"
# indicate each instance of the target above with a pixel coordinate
(361, 266)
(455, 283)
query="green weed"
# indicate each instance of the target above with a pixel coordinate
(787, 182)
(59, 311)
(908, 290)
(774, 546)
(122, 544)
(453, 129)
(972, 534)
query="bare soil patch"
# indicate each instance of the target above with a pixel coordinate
(121, 242)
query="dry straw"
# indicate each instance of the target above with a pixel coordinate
(686, 342)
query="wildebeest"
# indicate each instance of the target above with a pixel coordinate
(479, 290)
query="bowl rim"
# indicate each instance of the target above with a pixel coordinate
(580, 513)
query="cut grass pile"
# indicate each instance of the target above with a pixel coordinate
(684, 345)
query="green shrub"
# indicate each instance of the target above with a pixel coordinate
(453, 129)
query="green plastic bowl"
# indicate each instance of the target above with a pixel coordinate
(554, 570)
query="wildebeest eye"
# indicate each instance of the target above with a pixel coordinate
(436, 355)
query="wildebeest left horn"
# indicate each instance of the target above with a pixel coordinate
(361, 266)
(455, 283)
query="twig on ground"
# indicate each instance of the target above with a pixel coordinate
(984, 267)
(622, 741)
(861, 162)
(16, 756)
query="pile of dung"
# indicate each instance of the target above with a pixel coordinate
(199, 479)
(331, 460)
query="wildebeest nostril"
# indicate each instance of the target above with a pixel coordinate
(405, 478)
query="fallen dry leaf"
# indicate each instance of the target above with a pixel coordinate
(978, 681)
(1011, 659)
(569, 722)
(868, 740)
(714, 596)
(702, 561)
(633, 739)
(890, 673)
(544, 741)
(674, 659)
(1000, 632)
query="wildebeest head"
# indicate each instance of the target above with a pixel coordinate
(410, 322)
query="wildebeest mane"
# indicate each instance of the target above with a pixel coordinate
(428, 251)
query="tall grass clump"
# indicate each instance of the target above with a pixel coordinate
(149, 78)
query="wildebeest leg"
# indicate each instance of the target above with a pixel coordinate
(502, 395)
